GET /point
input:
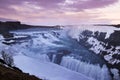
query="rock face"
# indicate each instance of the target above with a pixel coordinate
(108, 48)
(14, 74)
(6, 26)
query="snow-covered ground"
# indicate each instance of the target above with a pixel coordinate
(74, 31)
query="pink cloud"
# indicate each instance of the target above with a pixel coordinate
(27, 10)
(54, 4)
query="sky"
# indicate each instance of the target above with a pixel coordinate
(61, 12)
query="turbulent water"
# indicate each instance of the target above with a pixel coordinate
(57, 46)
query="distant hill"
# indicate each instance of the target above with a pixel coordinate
(117, 25)
(15, 25)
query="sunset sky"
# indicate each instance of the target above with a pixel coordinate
(63, 12)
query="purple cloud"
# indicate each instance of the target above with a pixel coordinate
(51, 9)
(88, 4)
(54, 4)
(5, 19)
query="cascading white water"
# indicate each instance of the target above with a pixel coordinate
(90, 70)
(53, 58)
(44, 43)
(44, 57)
(93, 71)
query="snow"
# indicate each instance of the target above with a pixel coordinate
(96, 46)
(46, 70)
(111, 60)
(118, 47)
(115, 73)
(107, 57)
(11, 41)
(74, 31)
(2, 46)
(1, 37)
(20, 36)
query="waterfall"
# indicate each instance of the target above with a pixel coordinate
(94, 71)
(53, 58)
(44, 58)
(42, 44)
(90, 70)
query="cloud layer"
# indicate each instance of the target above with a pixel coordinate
(59, 4)
(46, 9)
